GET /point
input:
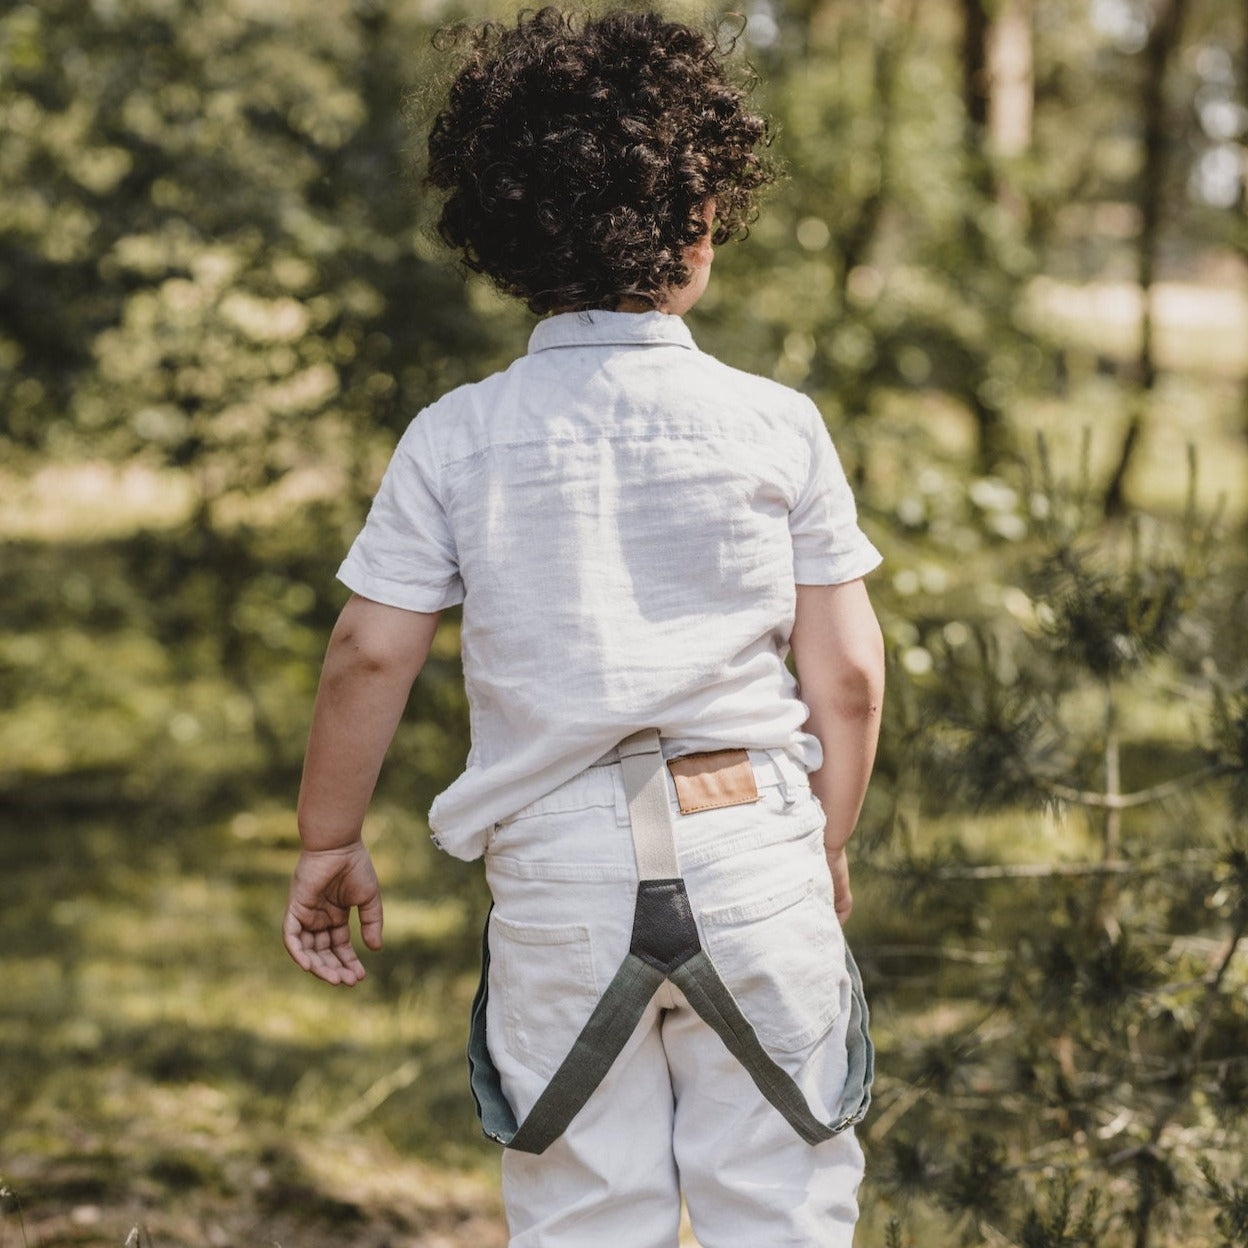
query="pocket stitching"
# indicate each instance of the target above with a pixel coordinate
(762, 908)
(514, 933)
(543, 933)
(749, 840)
(784, 1041)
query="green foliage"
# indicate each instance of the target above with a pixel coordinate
(209, 244)
(1109, 621)
(1229, 745)
(1232, 1203)
(976, 1186)
(1115, 1032)
(8, 1195)
(1110, 609)
(999, 740)
(1062, 1224)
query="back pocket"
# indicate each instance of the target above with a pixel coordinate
(548, 988)
(782, 958)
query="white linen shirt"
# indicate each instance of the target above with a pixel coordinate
(624, 518)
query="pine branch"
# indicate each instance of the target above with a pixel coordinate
(1190, 1061)
(978, 957)
(884, 1119)
(1141, 797)
(1054, 870)
(1156, 865)
(1104, 909)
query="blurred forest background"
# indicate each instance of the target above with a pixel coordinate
(1010, 263)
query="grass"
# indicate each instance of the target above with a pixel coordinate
(166, 1063)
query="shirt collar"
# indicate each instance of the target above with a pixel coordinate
(600, 328)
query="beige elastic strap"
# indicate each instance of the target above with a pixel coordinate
(645, 786)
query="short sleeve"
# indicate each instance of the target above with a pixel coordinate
(405, 555)
(828, 546)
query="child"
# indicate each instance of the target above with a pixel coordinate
(638, 534)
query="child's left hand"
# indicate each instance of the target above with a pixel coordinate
(326, 884)
(838, 865)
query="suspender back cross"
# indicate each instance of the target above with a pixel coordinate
(664, 946)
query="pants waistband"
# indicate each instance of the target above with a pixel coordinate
(770, 765)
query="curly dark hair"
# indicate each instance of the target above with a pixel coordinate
(578, 154)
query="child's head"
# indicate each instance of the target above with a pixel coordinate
(580, 157)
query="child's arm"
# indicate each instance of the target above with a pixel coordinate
(374, 655)
(838, 651)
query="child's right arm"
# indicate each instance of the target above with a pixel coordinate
(374, 655)
(838, 651)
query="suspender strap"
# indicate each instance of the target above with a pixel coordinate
(654, 839)
(664, 945)
(614, 1019)
(664, 933)
(714, 1004)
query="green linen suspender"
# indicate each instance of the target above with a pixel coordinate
(664, 946)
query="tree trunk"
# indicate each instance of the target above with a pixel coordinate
(1240, 228)
(991, 433)
(1012, 95)
(1163, 40)
(976, 93)
(1011, 78)
(889, 47)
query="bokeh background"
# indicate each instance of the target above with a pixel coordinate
(1009, 264)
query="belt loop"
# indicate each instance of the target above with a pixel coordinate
(782, 779)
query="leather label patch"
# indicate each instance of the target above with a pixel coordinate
(713, 778)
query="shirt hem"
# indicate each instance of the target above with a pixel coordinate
(839, 571)
(406, 597)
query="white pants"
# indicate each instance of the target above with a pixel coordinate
(677, 1112)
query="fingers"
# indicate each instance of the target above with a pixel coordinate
(334, 963)
(370, 921)
(838, 867)
(326, 953)
(326, 886)
(844, 907)
(338, 965)
(292, 931)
